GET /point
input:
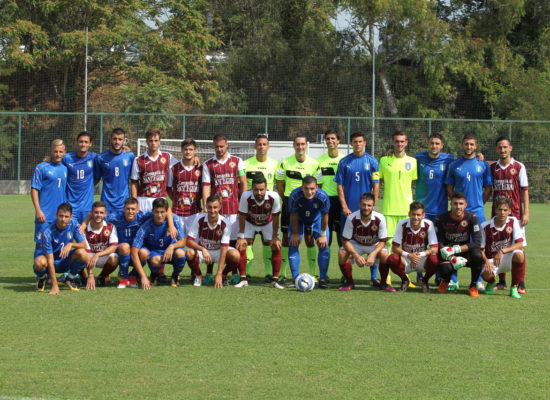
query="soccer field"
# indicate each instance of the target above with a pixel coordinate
(257, 342)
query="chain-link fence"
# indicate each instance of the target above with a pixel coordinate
(25, 137)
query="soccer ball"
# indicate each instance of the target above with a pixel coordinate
(305, 282)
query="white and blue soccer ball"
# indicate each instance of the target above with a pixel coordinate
(305, 282)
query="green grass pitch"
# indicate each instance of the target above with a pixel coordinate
(262, 343)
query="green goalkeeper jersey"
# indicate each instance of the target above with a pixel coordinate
(398, 175)
(291, 171)
(328, 166)
(254, 167)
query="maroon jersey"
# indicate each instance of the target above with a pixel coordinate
(101, 239)
(260, 214)
(152, 174)
(210, 237)
(223, 177)
(494, 239)
(413, 241)
(187, 187)
(507, 182)
(368, 234)
(465, 230)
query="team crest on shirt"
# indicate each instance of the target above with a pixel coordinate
(219, 232)
(267, 206)
(374, 228)
(231, 164)
(478, 168)
(106, 232)
(163, 160)
(367, 167)
(124, 162)
(69, 235)
(90, 164)
(422, 234)
(464, 223)
(408, 166)
(509, 229)
(513, 171)
(315, 205)
(198, 172)
(269, 175)
(442, 167)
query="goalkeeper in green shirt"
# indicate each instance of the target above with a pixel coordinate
(290, 173)
(328, 165)
(258, 165)
(398, 172)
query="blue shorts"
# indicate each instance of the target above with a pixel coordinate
(159, 252)
(314, 229)
(60, 264)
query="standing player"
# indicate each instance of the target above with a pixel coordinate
(261, 164)
(48, 190)
(308, 207)
(114, 166)
(224, 176)
(58, 251)
(102, 242)
(209, 243)
(150, 172)
(398, 172)
(364, 234)
(502, 239)
(459, 239)
(510, 181)
(290, 173)
(259, 211)
(154, 244)
(414, 248)
(328, 165)
(185, 185)
(357, 174)
(472, 177)
(80, 176)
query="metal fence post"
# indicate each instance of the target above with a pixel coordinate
(266, 125)
(429, 127)
(349, 132)
(510, 132)
(184, 126)
(19, 155)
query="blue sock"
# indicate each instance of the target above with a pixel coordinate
(374, 272)
(454, 277)
(124, 261)
(154, 270)
(179, 263)
(75, 268)
(323, 258)
(42, 274)
(294, 261)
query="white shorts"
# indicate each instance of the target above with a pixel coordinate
(102, 260)
(505, 263)
(419, 266)
(187, 222)
(363, 250)
(266, 231)
(215, 254)
(146, 203)
(233, 225)
(524, 237)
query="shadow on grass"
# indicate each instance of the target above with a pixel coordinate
(17, 283)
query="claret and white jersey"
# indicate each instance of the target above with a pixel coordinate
(207, 236)
(260, 214)
(368, 234)
(494, 238)
(413, 241)
(100, 239)
(508, 180)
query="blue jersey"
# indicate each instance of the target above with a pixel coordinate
(430, 185)
(309, 211)
(80, 180)
(356, 175)
(53, 239)
(126, 230)
(156, 237)
(470, 176)
(50, 180)
(115, 170)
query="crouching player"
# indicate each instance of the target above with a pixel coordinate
(364, 234)
(59, 253)
(414, 248)
(102, 244)
(459, 239)
(154, 244)
(309, 209)
(502, 239)
(259, 211)
(209, 243)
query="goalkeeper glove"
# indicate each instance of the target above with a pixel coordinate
(447, 252)
(458, 262)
